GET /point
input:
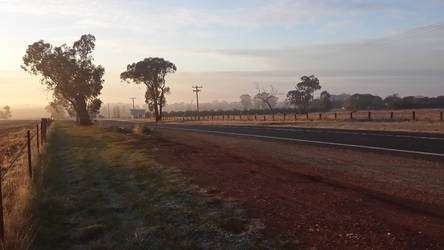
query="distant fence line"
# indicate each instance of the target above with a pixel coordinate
(23, 157)
(410, 115)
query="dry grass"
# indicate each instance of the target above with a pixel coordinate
(102, 189)
(427, 121)
(12, 136)
(16, 183)
(17, 195)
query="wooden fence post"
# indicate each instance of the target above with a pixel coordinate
(37, 137)
(391, 115)
(28, 134)
(440, 114)
(320, 116)
(369, 116)
(41, 132)
(295, 117)
(264, 118)
(306, 116)
(336, 116)
(2, 223)
(351, 115)
(414, 115)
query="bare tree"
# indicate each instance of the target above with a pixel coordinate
(266, 99)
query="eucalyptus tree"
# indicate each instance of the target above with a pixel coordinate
(70, 73)
(151, 72)
(304, 92)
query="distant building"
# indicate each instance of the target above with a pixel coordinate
(137, 113)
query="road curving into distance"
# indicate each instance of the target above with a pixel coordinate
(406, 143)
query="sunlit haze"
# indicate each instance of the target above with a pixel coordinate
(231, 47)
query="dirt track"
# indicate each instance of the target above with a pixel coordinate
(343, 199)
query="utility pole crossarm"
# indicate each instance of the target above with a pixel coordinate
(196, 89)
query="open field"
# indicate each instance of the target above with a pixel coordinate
(104, 189)
(404, 126)
(426, 120)
(12, 136)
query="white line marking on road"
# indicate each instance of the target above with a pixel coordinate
(309, 141)
(344, 132)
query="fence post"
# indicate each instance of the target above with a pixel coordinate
(414, 115)
(41, 131)
(28, 134)
(284, 116)
(351, 115)
(369, 116)
(320, 116)
(391, 115)
(336, 116)
(440, 115)
(2, 222)
(37, 137)
(306, 115)
(255, 118)
(264, 118)
(295, 117)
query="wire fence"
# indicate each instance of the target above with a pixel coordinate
(16, 174)
(380, 115)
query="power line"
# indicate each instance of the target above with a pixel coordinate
(196, 89)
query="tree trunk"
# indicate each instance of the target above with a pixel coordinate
(156, 111)
(82, 113)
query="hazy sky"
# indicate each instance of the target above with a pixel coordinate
(231, 47)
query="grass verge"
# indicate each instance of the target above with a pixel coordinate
(101, 189)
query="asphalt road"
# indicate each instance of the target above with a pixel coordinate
(415, 144)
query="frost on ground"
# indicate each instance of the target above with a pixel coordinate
(101, 189)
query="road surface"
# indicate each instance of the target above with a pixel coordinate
(415, 144)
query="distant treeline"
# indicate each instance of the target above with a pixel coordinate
(353, 102)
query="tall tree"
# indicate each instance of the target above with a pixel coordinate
(245, 101)
(151, 72)
(325, 101)
(393, 101)
(304, 92)
(69, 72)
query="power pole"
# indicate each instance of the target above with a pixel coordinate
(196, 89)
(133, 98)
